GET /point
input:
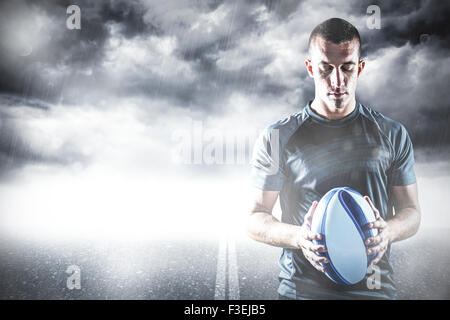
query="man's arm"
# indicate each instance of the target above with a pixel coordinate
(262, 226)
(406, 220)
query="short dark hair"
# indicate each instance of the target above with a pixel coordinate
(335, 30)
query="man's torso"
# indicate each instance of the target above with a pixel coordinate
(316, 155)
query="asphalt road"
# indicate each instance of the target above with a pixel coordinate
(191, 268)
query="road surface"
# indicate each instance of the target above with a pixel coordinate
(191, 268)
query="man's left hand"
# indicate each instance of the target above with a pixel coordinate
(381, 241)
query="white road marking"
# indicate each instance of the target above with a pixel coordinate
(221, 270)
(226, 261)
(233, 280)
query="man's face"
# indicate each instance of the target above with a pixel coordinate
(335, 69)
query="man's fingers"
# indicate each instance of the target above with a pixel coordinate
(316, 261)
(310, 213)
(381, 244)
(379, 224)
(375, 210)
(378, 248)
(307, 244)
(314, 236)
(311, 210)
(313, 207)
(316, 258)
(318, 248)
(381, 237)
(370, 240)
(373, 250)
(377, 258)
(318, 267)
(373, 240)
(310, 235)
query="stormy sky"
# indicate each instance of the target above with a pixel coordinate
(121, 92)
(207, 59)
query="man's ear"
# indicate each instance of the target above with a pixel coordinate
(361, 65)
(308, 65)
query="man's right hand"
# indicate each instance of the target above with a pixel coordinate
(306, 236)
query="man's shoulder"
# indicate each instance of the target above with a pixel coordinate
(388, 126)
(287, 125)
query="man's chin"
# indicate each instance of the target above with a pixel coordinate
(336, 103)
(339, 106)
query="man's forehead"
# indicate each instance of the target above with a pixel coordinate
(324, 50)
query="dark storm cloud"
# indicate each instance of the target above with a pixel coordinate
(69, 55)
(412, 88)
(57, 50)
(77, 50)
(405, 21)
(129, 14)
(200, 49)
(62, 58)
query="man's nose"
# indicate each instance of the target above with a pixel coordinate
(336, 78)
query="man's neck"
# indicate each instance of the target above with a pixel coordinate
(319, 107)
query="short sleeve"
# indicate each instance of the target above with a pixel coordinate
(403, 173)
(266, 163)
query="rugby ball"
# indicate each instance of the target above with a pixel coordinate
(342, 217)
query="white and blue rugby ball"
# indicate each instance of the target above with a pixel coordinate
(342, 217)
